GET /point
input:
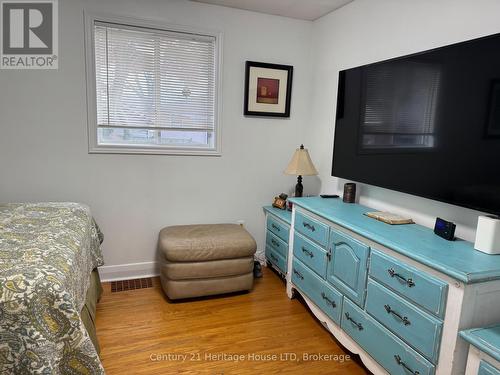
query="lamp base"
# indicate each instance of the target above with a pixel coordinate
(299, 189)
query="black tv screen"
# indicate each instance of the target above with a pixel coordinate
(427, 124)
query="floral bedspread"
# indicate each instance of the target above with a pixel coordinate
(47, 252)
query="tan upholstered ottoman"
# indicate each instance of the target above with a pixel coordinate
(203, 260)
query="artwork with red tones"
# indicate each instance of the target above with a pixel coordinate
(268, 90)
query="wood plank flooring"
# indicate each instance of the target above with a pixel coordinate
(140, 332)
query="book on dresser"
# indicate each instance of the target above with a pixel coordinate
(389, 218)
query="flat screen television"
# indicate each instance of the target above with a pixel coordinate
(426, 124)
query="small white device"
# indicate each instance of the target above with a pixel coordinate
(488, 235)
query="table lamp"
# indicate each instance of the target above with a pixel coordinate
(301, 165)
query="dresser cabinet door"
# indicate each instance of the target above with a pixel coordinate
(347, 268)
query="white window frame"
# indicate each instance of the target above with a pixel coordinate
(93, 145)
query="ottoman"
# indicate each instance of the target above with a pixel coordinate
(203, 260)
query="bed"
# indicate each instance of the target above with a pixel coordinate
(49, 286)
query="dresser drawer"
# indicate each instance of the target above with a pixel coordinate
(275, 258)
(486, 369)
(327, 298)
(277, 244)
(311, 228)
(388, 350)
(425, 290)
(278, 228)
(419, 329)
(310, 254)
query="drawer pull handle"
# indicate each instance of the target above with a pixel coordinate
(404, 365)
(304, 250)
(298, 274)
(309, 226)
(404, 319)
(332, 303)
(276, 227)
(408, 282)
(275, 243)
(348, 317)
(274, 258)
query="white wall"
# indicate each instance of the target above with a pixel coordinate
(43, 139)
(366, 31)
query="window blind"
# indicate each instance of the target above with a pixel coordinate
(158, 87)
(400, 105)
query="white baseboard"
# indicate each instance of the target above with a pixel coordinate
(129, 271)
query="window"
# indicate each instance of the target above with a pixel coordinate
(152, 90)
(400, 106)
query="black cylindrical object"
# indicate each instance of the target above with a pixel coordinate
(349, 192)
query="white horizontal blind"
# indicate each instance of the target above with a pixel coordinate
(400, 105)
(154, 87)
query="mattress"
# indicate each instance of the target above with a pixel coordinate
(88, 312)
(47, 254)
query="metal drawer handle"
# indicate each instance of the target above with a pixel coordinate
(404, 319)
(334, 305)
(275, 243)
(276, 227)
(274, 258)
(408, 282)
(304, 250)
(309, 226)
(359, 325)
(405, 366)
(298, 274)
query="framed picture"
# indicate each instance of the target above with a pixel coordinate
(268, 89)
(280, 201)
(493, 123)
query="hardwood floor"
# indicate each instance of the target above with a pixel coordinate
(140, 332)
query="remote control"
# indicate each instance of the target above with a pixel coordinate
(329, 196)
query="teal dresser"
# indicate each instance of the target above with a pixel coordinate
(484, 350)
(395, 295)
(277, 234)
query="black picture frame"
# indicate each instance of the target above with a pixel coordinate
(288, 98)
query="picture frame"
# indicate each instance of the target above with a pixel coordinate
(268, 89)
(280, 201)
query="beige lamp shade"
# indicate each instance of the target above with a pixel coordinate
(301, 164)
